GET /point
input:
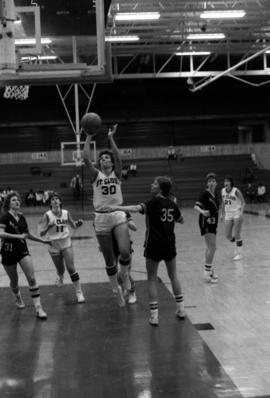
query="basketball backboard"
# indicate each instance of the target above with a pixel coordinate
(67, 44)
(71, 153)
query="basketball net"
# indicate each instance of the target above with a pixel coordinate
(16, 92)
(78, 162)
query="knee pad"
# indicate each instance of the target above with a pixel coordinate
(111, 270)
(75, 277)
(32, 283)
(125, 263)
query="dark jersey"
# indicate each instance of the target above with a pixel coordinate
(209, 202)
(13, 249)
(161, 214)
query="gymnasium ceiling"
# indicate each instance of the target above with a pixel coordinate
(179, 18)
(240, 54)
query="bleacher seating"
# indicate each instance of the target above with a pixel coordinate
(188, 176)
(45, 176)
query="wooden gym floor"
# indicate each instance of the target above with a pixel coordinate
(99, 350)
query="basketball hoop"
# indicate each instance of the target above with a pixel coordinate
(16, 92)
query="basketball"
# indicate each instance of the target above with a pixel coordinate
(91, 122)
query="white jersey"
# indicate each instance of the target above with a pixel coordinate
(232, 202)
(60, 228)
(106, 190)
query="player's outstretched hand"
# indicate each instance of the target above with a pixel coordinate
(206, 213)
(47, 242)
(180, 220)
(51, 225)
(112, 130)
(109, 208)
(79, 223)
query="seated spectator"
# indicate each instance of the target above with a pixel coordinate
(253, 158)
(180, 156)
(133, 169)
(9, 190)
(250, 194)
(30, 198)
(3, 194)
(261, 193)
(248, 176)
(125, 171)
(39, 197)
(46, 195)
(171, 153)
(76, 186)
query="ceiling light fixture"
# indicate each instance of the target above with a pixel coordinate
(193, 53)
(39, 58)
(122, 38)
(31, 41)
(223, 14)
(136, 16)
(206, 36)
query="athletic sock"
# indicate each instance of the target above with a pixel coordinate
(35, 294)
(76, 282)
(153, 309)
(179, 299)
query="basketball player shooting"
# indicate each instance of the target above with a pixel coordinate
(106, 182)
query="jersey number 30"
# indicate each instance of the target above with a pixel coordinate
(108, 190)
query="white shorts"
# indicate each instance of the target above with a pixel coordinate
(233, 215)
(105, 222)
(57, 246)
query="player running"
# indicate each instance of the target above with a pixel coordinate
(233, 204)
(55, 225)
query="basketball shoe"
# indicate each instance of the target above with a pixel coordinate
(19, 302)
(41, 314)
(132, 298)
(120, 297)
(180, 312)
(238, 254)
(153, 320)
(59, 282)
(210, 277)
(80, 297)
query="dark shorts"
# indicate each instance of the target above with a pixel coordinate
(15, 256)
(160, 253)
(208, 229)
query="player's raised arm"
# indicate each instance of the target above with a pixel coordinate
(115, 150)
(87, 158)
